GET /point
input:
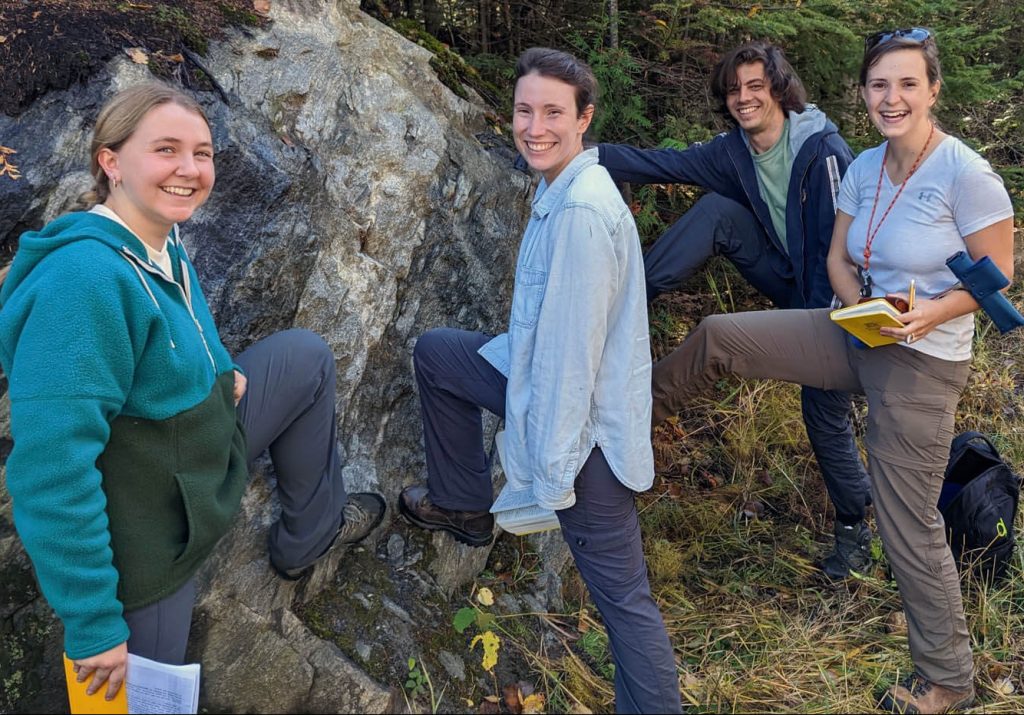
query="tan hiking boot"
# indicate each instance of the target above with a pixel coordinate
(917, 695)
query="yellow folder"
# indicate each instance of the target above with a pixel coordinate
(95, 703)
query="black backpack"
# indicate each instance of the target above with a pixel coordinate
(979, 502)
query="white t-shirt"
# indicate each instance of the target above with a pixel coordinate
(953, 193)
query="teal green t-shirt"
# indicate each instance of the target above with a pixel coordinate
(773, 168)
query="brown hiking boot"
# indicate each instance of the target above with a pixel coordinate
(917, 695)
(473, 528)
(362, 513)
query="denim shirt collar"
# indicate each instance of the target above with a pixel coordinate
(548, 197)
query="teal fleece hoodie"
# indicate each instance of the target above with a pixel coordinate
(128, 461)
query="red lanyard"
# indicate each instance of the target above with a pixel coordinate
(865, 276)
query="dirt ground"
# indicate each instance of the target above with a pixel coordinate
(50, 44)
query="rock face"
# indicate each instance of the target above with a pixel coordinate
(352, 198)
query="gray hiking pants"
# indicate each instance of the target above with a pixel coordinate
(288, 408)
(717, 226)
(601, 528)
(912, 399)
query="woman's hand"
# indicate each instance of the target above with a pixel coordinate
(107, 667)
(240, 384)
(923, 319)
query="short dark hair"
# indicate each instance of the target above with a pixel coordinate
(929, 49)
(561, 66)
(786, 87)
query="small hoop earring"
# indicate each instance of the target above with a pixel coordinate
(114, 182)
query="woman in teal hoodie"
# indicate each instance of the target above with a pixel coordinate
(133, 428)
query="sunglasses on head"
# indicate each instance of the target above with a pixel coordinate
(917, 34)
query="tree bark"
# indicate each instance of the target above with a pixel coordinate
(485, 25)
(613, 23)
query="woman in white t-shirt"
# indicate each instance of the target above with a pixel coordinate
(904, 208)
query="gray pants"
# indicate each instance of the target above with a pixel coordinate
(912, 400)
(288, 408)
(601, 529)
(717, 226)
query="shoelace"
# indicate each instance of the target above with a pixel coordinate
(916, 685)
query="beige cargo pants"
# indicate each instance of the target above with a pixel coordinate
(912, 399)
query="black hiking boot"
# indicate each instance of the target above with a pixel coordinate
(852, 551)
(473, 528)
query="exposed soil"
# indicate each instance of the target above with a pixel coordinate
(50, 44)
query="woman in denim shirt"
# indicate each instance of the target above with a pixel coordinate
(571, 378)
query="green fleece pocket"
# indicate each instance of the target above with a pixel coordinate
(186, 498)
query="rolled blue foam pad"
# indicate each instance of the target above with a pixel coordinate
(984, 280)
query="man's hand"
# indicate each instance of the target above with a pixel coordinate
(107, 667)
(240, 385)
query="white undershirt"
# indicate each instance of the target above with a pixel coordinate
(160, 258)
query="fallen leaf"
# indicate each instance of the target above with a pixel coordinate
(490, 643)
(137, 55)
(492, 698)
(36, 14)
(1004, 686)
(533, 704)
(489, 708)
(513, 699)
(753, 509)
(179, 58)
(262, 7)
(3, 39)
(463, 617)
(896, 623)
(485, 596)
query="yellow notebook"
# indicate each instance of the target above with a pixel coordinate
(95, 703)
(865, 319)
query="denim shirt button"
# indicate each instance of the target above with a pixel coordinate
(580, 541)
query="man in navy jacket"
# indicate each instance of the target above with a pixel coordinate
(772, 184)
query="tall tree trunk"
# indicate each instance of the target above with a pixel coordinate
(485, 26)
(433, 17)
(613, 23)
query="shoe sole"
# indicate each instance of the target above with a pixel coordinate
(463, 537)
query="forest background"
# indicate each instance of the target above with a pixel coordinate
(738, 514)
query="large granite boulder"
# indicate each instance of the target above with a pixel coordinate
(354, 197)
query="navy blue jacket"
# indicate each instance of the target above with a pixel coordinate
(724, 166)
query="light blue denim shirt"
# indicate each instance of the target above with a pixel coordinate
(577, 352)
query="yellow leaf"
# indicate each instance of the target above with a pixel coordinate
(491, 644)
(485, 596)
(533, 704)
(660, 23)
(137, 55)
(262, 7)
(754, 10)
